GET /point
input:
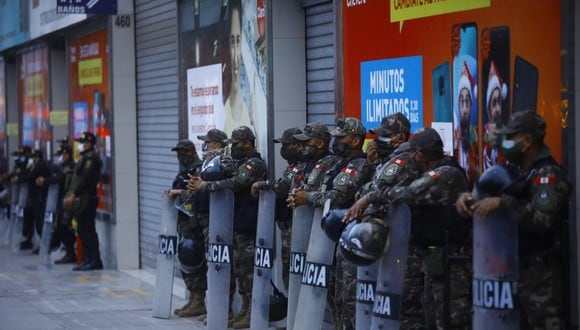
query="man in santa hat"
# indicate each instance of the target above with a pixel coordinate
(465, 133)
(497, 92)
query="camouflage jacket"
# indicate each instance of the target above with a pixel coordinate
(248, 170)
(397, 172)
(315, 177)
(342, 181)
(543, 206)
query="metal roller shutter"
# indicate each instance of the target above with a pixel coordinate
(156, 27)
(320, 63)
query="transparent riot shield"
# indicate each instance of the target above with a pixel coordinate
(17, 227)
(219, 258)
(366, 285)
(301, 226)
(3, 216)
(392, 267)
(48, 226)
(14, 194)
(165, 266)
(495, 271)
(263, 260)
(316, 275)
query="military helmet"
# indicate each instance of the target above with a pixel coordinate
(191, 254)
(278, 306)
(212, 169)
(497, 180)
(332, 224)
(363, 243)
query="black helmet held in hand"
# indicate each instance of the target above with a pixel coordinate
(332, 224)
(212, 169)
(363, 243)
(498, 180)
(191, 254)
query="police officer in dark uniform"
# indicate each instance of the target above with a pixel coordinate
(20, 175)
(81, 200)
(61, 174)
(249, 168)
(36, 201)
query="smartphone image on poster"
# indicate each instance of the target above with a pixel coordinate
(443, 112)
(465, 105)
(525, 85)
(495, 78)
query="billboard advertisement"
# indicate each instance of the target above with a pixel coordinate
(90, 102)
(225, 61)
(34, 98)
(460, 66)
(44, 19)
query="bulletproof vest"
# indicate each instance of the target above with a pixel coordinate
(534, 242)
(245, 205)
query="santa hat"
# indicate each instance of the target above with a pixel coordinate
(467, 81)
(495, 81)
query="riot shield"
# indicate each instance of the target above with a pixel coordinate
(219, 258)
(316, 275)
(495, 271)
(48, 227)
(14, 194)
(301, 225)
(18, 223)
(366, 284)
(263, 259)
(392, 267)
(4, 224)
(165, 266)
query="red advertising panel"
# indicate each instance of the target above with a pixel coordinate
(90, 102)
(472, 63)
(33, 91)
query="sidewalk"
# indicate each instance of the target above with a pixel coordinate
(36, 297)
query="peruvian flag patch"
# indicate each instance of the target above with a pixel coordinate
(545, 180)
(349, 171)
(318, 166)
(399, 162)
(433, 174)
(249, 167)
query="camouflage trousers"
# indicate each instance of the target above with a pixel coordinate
(344, 299)
(285, 248)
(195, 282)
(243, 266)
(412, 317)
(459, 292)
(540, 293)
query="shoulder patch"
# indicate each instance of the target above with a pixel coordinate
(544, 180)
(392, 169)
(318, 166)
(349, 171)
(433, 174)
(249, 167)
(399, 162)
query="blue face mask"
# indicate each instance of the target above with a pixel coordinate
(508, 144)
(510, 150)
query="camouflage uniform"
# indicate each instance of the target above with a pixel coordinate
(542, 216)
(340, 185)
(249, 169)
(436, 191)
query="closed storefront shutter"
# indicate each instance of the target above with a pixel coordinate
(156, 31)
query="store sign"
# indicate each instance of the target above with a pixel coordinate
(45, 19)
(102, 7)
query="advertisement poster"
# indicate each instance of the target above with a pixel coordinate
(3, 135)
(90, 102)
(226, 40)
(34, 94)
(479, 62)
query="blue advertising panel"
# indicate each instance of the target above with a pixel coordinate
(390, 86)
(13, 23)
(102, 7)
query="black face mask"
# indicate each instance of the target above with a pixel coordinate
(340, 148)
(238, 152)
(184, 160)
(308, 152)
(384, 149)
(290, 154)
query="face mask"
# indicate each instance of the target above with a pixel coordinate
(308, 152)
(30, 162)
(289, 153)
(204, 146)
(238, 152)
(340, 148)
(22, 159)
(184, 160)
(509, 149)
(59, 159)
(384, 149)
(81, 147)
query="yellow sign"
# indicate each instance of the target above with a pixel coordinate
(91, 71)
(34, 85)
(402, 10)
(59, 117)
(12, 129)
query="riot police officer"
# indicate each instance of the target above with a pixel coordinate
(81, 200)
(20, 175)
(249, 168)
(541, 212)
